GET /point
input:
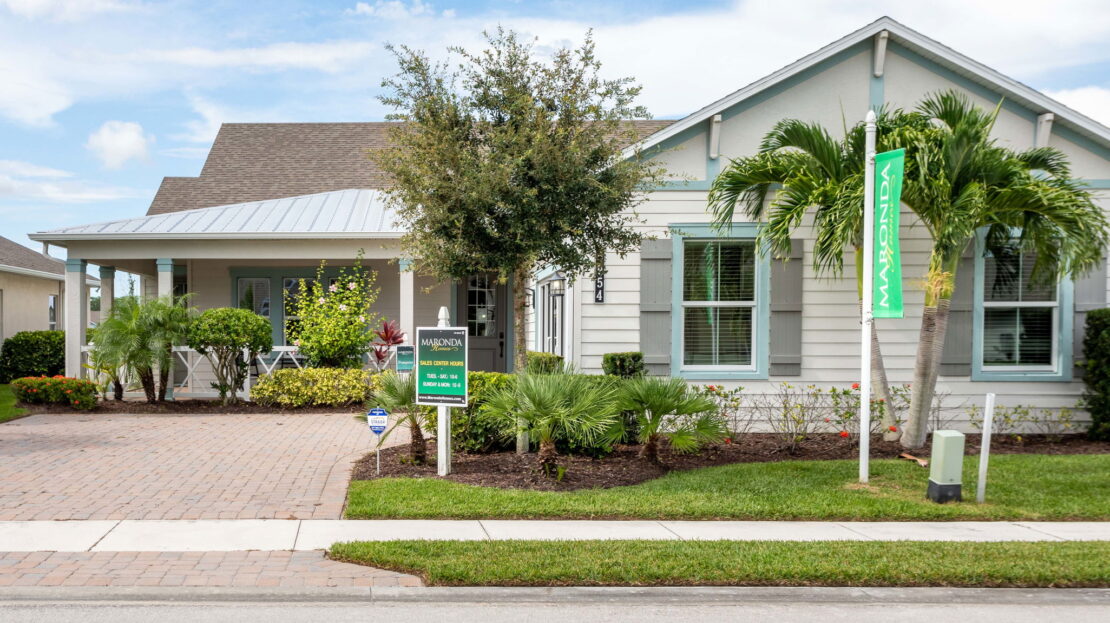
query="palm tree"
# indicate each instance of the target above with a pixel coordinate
(668, 408)
(166, 320)
(549, 407)
(396, 393)
(139, 336)
(818, 173)
(959, 181)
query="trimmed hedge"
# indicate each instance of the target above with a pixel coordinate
(1096, 373)
(32, 353)
(77, 394)
(313, 387)
(625, 365)
(543, 363)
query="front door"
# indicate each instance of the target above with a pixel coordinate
(482, 303)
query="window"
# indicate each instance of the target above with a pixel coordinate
(720, 308)
(52, 312)
(1020, 323)
(481, 306)
(254, 294)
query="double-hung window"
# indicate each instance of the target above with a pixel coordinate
(52, 312)
(1021, 322)
(721, 290)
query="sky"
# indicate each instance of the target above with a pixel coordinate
(99, 99)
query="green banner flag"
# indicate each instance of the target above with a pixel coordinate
(887, 286)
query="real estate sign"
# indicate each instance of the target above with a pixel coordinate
(406, 358)
(887, 285)
(441, 364)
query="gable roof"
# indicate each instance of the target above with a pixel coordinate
(974, 71)
(258, 161)
(350, 213)
(15, 255)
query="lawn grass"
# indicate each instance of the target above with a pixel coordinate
(1020, 486)
(8, 410)
(743, 563)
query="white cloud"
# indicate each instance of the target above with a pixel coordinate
(1091, 101)
(327, 57)
(203, 130)
(396, 9)
(116, 142)
(25, 181)
(63, 10)
(16, 168)
(29, 95)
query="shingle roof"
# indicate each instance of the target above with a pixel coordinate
(14, 254)
(257, 161)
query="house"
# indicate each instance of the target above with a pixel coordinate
(31, 290)
(272, 200)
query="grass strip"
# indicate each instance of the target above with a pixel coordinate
(738, 563)
(1020, 487)
(8, 410)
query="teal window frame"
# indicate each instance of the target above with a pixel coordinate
(680, 233)
(1065, 312)
(275, 274)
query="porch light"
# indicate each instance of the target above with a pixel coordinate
(558, 287)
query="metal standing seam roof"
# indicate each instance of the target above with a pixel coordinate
(352, 213)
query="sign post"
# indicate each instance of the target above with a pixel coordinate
(865, 308)
(985, 449)
(441, 365)
(378, 419)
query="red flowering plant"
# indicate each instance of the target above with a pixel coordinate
(385, 339)
(730, 408)
(75, 393)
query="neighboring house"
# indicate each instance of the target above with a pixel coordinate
(31, 290)
(274, 199)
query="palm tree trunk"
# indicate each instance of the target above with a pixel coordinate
(650, 450)
(549, 458)
(930, 348)
(146, 379)
(117, 389)
(418, 446)
(163, 382)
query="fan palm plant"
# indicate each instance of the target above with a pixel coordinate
(139, 337)
(548, 407)
(959, 181)
(812, 172)
(667, 408)
(396, 393)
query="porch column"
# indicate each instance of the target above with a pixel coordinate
(76, 318)
(408, 299)
(165, 276)
(107, 290)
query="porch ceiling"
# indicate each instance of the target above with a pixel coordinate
(353, 213)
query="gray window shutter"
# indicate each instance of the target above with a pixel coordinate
(956, 359)
(1090, 293)
(786, 312)
(655, 305)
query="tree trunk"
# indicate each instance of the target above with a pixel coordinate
(549, 458)
(418, 447)
(520, 341)
(913, 430)
(930, 348)
(650, 450)
(163, 382)
(117, 389)
(146, 379)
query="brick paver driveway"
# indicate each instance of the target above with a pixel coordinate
(178, 466)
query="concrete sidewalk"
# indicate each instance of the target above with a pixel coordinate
(306, 535)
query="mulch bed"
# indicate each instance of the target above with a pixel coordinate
(184, 407)
(509, 470)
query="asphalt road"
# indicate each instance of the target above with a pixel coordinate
(594, 605)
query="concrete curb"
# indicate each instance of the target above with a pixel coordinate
(614, 595)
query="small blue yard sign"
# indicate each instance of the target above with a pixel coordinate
(378, 419)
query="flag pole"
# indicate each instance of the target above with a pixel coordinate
(866, 308)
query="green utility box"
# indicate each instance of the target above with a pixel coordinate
(946, 467)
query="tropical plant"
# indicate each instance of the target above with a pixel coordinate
(386, 339)
(335, 316)
(77, 394)
(550, 407)
(396, 393)
(511, 161)
(816, 173)
(230, 338)
(958, 182)
(107, 371)
(1096, 373)
(140, 336)
(668, 408)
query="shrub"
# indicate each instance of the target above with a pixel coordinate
(668, 408)
(1096, 373)
(729, 406)
(32, 353)
(472, 430)
(221, 335)
(139, 337)
(77, 394)
(543, 363)
(333, 330)
(396, 393)
(1017, 420)
(625, 365)
(313, 387)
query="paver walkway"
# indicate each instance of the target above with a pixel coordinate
(175, 569)
(241, 466)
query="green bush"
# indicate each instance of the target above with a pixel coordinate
(313, 387)
(32, 353)
(625, 365)
(543, 363)
(75, 393)
(221, 335)
(471, 430)
(1096, 373)
(333, 330)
